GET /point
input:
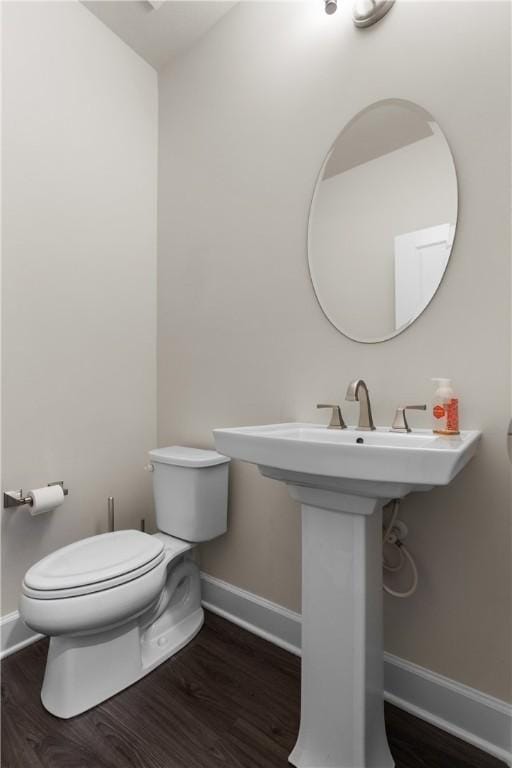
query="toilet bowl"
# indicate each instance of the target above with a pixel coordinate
(118, 604)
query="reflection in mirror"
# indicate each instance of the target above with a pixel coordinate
(382, 221)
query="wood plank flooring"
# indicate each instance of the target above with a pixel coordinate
(228, 700)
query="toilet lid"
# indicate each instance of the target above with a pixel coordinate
(101, 558)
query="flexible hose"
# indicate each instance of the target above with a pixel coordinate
(392, 519)
(394, 568)
(404, 555)
(414, 585)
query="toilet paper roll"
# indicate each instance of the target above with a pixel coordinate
(45, 499)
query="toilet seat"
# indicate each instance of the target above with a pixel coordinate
(95, 564)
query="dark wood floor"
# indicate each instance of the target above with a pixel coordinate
(228, 700)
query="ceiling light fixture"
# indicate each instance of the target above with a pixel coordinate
(366, 12)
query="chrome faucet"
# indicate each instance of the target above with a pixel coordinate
(357, 390)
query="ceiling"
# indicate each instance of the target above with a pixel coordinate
(158, 34)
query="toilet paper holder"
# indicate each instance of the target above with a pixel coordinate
(17, 498)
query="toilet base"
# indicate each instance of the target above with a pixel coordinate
(83, 671)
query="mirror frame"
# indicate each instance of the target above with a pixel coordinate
(370, 107)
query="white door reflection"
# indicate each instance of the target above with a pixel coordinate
(421, 258)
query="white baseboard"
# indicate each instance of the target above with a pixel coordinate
(261, 617)
(475, 717)
(14, 634)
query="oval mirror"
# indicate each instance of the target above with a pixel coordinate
(382, 221)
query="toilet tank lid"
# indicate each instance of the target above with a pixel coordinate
(181, 456)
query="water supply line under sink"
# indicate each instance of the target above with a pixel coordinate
(391, 536)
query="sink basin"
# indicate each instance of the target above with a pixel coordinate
(342, 479)
(382, 464)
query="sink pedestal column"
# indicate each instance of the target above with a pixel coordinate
(342, 710)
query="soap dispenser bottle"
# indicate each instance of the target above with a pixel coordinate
(445, 409)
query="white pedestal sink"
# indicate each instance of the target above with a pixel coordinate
(342, 478)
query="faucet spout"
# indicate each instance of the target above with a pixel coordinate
(357, 390)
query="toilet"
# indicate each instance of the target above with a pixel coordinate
(118, 604)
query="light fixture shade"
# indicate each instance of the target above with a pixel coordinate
(331, 6)
(367, 12)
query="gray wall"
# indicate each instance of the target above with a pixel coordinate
(246, 118)
(79, 276)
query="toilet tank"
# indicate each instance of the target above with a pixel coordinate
(190, 488)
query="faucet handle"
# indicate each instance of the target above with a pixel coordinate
(336, 421)
(400, 423)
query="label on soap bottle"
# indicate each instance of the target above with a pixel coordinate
(438, 411)
(449, 412)
(452, 416)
